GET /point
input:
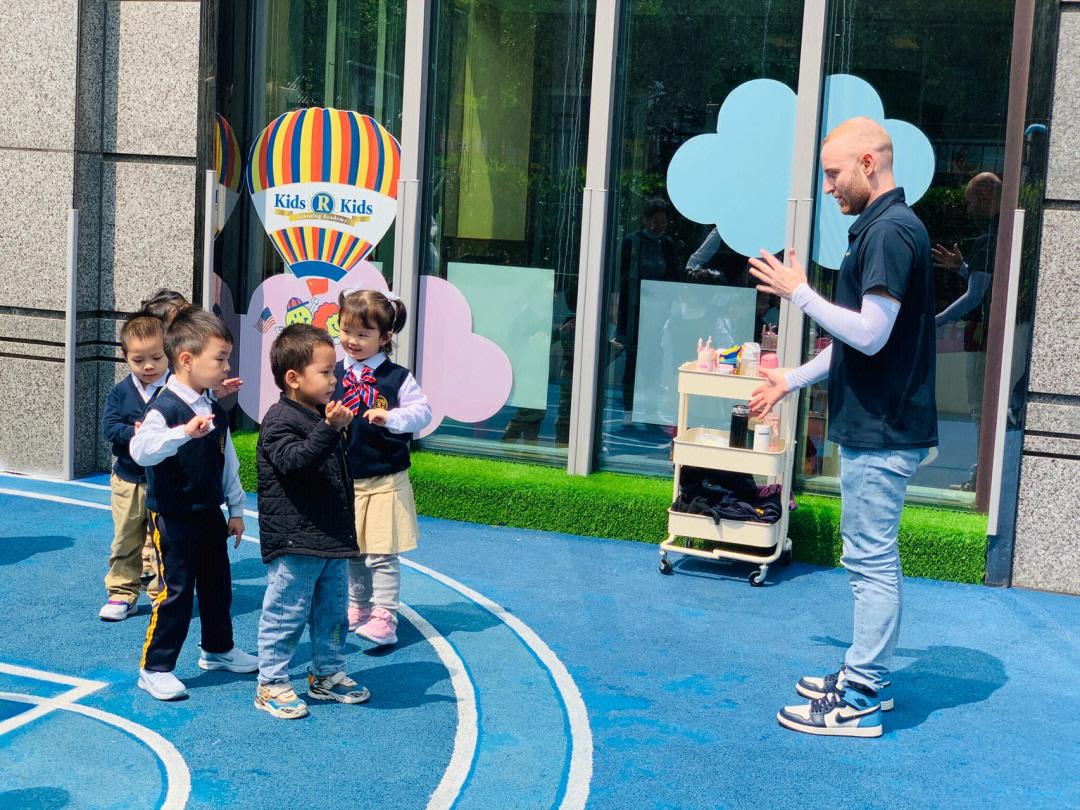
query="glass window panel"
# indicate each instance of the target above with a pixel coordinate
(280, 55)
(942, 67)
(503, 184)
(671, 280)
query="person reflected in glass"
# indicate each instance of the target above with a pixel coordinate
(974, 262)
(646, 255)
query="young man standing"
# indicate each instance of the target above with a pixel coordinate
(882, 410)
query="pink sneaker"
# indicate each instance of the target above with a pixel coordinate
(358, 616)
(381, 628)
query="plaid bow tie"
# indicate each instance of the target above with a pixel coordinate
(359, 391)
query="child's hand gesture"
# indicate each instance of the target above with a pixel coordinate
(229, 386)
(338, 416)
(236, 529)
(377, 416)
(199, 426)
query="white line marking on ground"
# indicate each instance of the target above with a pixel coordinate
(461, 758)
(49, 480)
(55, 498)
(581, 743)
(177, 776)
(80, 688)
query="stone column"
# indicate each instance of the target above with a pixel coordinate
(101, 113)
(1047, 541)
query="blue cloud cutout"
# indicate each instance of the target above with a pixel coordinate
(740, 178)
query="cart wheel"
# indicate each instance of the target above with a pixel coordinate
(757, 578)
(665, 566)
(785, 558)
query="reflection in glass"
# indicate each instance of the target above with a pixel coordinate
(944, 68)
(670, 280)
(503, 186)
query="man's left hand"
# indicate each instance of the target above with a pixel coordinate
(778, 279)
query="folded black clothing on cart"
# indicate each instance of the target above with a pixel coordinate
(724, 495)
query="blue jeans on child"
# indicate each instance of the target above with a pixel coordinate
(872, 488)
(302, 591)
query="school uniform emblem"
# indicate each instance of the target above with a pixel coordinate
(382, 403)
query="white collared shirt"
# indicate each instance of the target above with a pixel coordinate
(155, 441)
(147, 391)
(413, 412)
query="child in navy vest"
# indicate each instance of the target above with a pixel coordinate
(390, 407)
(142, 344)
(185, 445)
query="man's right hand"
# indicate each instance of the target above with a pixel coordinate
(199, 426)
(945, 259)
(775, 389)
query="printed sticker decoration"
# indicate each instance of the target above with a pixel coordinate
(226, 158)
(324, 183)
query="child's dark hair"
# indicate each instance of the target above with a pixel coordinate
(294, 348)
(141, 327)
(191, 331)
(164, 305)
(371, 309)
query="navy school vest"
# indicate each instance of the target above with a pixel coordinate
(191, 479)
(375, 450)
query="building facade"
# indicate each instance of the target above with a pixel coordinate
(535, 144)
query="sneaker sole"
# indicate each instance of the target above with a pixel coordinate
(842, 731)
(160, 695)
(365, 696)
(280, 714)
(213, 666)
(810, 694)
(381, 642)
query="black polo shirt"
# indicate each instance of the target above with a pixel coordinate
(887, 400)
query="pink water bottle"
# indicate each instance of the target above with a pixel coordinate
(769, 360)
(706, 357)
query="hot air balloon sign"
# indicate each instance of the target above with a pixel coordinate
(324, 183)
(226, 157)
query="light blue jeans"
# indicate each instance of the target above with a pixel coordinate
(872, 488)
(302, 591)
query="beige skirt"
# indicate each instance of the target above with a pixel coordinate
(386, 514)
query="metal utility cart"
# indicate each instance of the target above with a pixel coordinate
(758, 543)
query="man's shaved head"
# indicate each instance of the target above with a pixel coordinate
(861, 135)
(857, 158)
(983, 195)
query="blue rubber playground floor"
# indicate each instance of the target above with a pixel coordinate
(533, 671)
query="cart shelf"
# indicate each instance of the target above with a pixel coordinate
(704, 447)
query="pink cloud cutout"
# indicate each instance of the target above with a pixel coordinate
(465, 376)
(312, 300)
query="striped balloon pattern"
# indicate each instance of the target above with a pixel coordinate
(324, 183)
(226, 163)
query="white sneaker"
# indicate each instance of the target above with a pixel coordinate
(235, 660)
(116, 610)
(162, 685)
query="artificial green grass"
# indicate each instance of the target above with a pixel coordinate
(933, 543)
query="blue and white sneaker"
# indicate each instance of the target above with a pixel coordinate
(339, 687)
(280, 700)
(815, 688)
(840, 713)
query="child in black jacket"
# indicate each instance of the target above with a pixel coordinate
(306, 524)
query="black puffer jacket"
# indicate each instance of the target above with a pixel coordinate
(305, 492)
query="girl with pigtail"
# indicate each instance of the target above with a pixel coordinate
(390, 408)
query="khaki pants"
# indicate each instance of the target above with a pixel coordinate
(130, 523)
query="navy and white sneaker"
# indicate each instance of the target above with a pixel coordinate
(845, 712)
(815, 688)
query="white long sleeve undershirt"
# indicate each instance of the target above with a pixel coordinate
(867, 331)
(815, 370)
